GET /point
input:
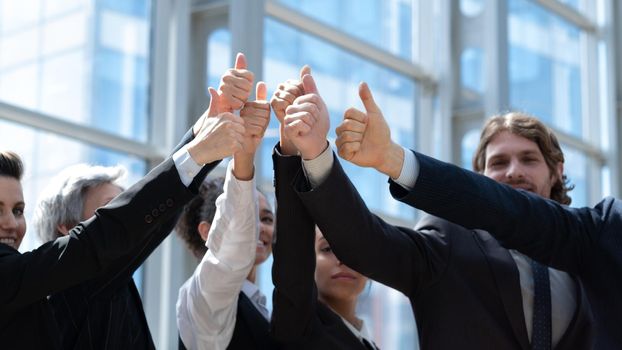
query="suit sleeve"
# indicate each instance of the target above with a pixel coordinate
(119, 273)
(96, 244)
(293, 268)
(553, 234)
(398, 257)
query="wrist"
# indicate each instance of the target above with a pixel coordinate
(314, 152)
(392, 161)
(287, 146)
(243, 166)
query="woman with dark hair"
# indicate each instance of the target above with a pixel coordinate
(220, 306)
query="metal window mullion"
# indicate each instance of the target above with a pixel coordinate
(78, 132)
(347, 42)
(569, 14)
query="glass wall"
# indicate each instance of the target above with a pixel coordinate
(86, 62)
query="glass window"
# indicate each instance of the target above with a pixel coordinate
(384, 23)
(468, 146)
(575, 169)
(472, 70)
(544, 66)
(218, 57)
(40, 152)
(471, 8)
(83, 61)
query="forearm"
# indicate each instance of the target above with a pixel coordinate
(294, 256)
(540, 228)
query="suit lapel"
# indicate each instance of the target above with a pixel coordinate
(506, 276)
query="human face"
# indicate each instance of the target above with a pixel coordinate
(98, 196)
(12, 221)
(335, 281)
(266, 229)
(518, 162)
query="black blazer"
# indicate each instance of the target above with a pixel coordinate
(463, 287)
(251, 329)
(299, 320)
(586, 242)
(90, 249)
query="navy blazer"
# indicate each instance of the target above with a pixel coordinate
(586, 242)
(463, 286)
(299, 320)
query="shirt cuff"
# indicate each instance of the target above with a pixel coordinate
(317, 169)
(410, 171)
(186, 166)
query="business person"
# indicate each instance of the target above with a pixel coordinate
(220, 306)
(315, 295)
(459, 282)
(582, 241)
(95, 246)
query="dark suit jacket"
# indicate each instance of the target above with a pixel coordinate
(586, 242)
(90, 249)
(299, 320)
(251, 329)
(463, 287)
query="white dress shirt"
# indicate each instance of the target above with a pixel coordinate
(207, 302)
(563, 289)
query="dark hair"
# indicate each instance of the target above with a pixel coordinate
(11, 165)
(201, 208)
(531, 128)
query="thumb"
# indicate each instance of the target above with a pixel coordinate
(261, 91)
(308, 84)
(214, 103)
(240, 61)
(304, 71)
(367, 98)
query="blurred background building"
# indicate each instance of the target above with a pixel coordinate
(119, 81)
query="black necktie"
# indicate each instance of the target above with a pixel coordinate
(541, 323)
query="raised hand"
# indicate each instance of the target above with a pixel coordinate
(217, 135)
(364, 138)
(256, 117)
(235, 85)
(286, 93)
(282, 98)
(306, 121)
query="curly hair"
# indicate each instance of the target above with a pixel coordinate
(201, 208)
(531, 128)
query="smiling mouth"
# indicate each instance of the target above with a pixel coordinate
(8, 241)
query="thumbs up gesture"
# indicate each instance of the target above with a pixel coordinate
(256, 117)
(217, 134)
(283, 97)
(306, 121)
(236, 85)
(364, 138)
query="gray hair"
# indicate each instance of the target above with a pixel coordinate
(62, 201)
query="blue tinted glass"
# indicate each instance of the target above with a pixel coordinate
(384, 23)
(575, 168)
(83, 61)
(544, 66)
(468, 145)
(471, 70)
